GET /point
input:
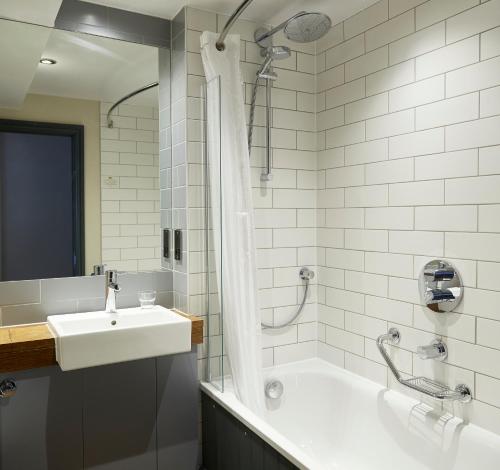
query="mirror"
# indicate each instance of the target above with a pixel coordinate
(77, 191)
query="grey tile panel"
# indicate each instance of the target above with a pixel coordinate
(58, 307)
(84, 287)
(100, 20)
(20, 314)
(32, 301)
(19, 292)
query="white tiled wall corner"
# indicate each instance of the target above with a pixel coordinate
(406, 158)
(421, 180)
(130, 188)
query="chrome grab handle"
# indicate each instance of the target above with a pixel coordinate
(421, 384)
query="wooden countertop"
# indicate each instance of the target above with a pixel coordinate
(31, 346)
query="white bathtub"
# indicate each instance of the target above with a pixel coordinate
(329, 418)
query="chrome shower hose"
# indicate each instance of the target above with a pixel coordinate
(305, 274)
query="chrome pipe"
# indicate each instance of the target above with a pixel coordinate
(125, 98)
(232, 19)
(266, 175)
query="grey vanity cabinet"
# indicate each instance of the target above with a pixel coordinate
(41, 426)
(135, 415)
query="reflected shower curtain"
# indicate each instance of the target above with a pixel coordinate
(232, 217)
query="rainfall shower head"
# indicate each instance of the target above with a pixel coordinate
(302, 27)
(307, 27)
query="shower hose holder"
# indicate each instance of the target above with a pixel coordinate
(423, 385)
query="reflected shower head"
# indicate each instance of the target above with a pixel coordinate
(302, 27)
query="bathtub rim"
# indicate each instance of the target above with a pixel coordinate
(259, 426)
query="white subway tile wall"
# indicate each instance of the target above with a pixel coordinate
(386, 154)
(413, 126)
(285, 208)
(130, 196)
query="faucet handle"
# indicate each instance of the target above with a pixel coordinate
(436, 350)
(436, 296)
(437, 275)
(111, 276)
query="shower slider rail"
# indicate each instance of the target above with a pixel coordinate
(421, 384)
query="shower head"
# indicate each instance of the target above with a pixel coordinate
(278, 52)
(272, 53)
(307, 27)
(302, 27)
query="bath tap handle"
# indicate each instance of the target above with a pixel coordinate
(433, 296)
(436, 350)
(439, 274)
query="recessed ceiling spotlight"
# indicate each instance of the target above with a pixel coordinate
(46, 61)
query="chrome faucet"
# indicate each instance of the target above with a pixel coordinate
(111, 279)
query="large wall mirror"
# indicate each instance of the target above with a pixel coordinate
(78, 190)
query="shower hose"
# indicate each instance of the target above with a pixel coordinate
(306, 275)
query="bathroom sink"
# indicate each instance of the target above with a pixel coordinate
(98, 338)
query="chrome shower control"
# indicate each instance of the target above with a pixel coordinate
(274, 389)
(440, 286)
(436, 350)
(8, 388)
(306, 274)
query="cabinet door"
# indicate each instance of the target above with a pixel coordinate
(178, 412)
(41, 425)
(119, 416)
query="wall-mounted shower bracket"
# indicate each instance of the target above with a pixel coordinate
(421, 384)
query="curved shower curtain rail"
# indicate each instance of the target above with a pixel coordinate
(232, 19)
(125, 98)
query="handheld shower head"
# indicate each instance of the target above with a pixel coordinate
(278, 52)
(273, 53)
(302, 27)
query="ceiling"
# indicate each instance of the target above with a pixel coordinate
(88, 67)
(94, 68)
(41, 12)
(270, 12)
(19, 63)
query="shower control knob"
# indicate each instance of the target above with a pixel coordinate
(8, 388)
(306, 274)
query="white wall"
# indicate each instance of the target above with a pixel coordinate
(404, 168)
(285, 208)
(130, 188)
(408, 117)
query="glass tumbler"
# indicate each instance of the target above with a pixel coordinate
(147, 298)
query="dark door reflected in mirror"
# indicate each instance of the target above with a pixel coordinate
(41, 200)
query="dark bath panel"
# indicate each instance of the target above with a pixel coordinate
(230, 445)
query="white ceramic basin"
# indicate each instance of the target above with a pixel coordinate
(98, 338)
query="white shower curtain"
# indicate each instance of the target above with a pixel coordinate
(232, 217)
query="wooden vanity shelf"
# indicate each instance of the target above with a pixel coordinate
(33, 346)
